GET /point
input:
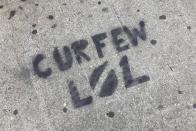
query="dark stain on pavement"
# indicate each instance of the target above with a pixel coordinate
(153, 42)
(64, 109)
(162, 17)
(180, 92)
(34, 32)
(12, 14)
(99, 2)
(81, 1)
(33, 25)
(54, 26)
(188, 27)
(15, 112)
(110, 114)
(20, 7)
(105, 9)
(50, 17)
(160, 107)
(1, 6)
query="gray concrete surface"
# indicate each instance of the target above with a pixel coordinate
(31, 103)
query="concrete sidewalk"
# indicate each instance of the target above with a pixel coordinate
(88, 65)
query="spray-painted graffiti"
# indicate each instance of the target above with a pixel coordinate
(65, 61)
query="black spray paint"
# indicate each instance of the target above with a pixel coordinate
(94, 78)
(116, 41)
(109, 85)
(133, 35)
(78, 47)
(81, 52)
(75, 96)
(127, 76)
(63, 65)
(98, 44)
(64, 61)
(37, 70)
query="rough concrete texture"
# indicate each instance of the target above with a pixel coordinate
(167, 102)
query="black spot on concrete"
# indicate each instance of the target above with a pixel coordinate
(15, 112)
(81, 1)
(36, 4)
(1, 6)
(64, 4)
(153, 42)
(12, 13)
(110, 114)
(160, 107)
(23, 0)
(64, 109)
(138, 10)
(162, 17)
(180, 92)
(50, 17)
(188, 27)
(99, 2)
(33, 25)
(105, 9)
(194, 105)
(54, 26)
(34, 32)
(20, 7)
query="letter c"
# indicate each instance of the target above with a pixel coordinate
(37, 70)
